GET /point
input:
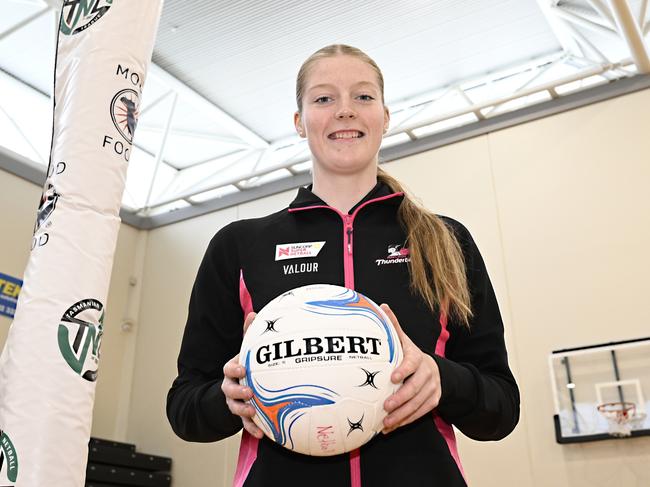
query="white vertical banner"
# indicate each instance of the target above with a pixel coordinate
(50, 362)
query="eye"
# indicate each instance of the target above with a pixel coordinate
(322, 99)
(366, 97)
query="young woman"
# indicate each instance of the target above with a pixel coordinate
(379, 242)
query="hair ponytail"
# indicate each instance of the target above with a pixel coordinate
(437, 266)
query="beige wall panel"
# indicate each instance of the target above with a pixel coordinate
(572, 193)
(18, 205)
(19, 202)
(115, 360)
(456, 181)
(172, 259)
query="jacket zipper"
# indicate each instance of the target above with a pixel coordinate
(348, 233)
(348, 259)
(348, 272)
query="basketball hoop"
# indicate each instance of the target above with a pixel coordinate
(620, 416)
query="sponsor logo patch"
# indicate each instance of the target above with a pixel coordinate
(396, 254)
(8, 460)
(78, 15)
(124, 110)
(298, 250)
(10, 288)
(80, 336)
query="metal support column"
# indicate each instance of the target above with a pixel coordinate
(630, 31)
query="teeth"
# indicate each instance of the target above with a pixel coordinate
(350, 134)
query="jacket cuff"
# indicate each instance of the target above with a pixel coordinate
(459, 389)
(216, 412)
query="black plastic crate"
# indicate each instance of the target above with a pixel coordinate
(122, 476)
(122, 457)
(111, 443)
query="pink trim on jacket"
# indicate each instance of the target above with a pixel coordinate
(445, 428)
(249, 444)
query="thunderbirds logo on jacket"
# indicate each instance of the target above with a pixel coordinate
(396, 255)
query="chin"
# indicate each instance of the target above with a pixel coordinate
(348, 166)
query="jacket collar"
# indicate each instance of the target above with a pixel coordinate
(305, 198)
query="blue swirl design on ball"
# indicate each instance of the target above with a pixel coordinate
(276, 408)
(351, 303)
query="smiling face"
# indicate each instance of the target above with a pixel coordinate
(343, 115)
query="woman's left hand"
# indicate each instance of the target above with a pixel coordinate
(420, 392)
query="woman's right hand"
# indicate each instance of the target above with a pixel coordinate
(236, 394)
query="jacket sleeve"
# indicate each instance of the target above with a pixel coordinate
(196, 406)
(479, 393)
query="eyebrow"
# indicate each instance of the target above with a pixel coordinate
(329, 85)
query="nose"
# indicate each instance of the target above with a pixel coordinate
(345, 111)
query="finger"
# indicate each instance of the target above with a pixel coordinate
(393, 318)
(408, 390)
(249, 319)
(399, 414)
(233, 369)
(252, 428)
(233, 390)
(426, 407)
(410, 361)
(240, 408)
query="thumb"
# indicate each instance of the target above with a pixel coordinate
(249, 319)
(389, 312)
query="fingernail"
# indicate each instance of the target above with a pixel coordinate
(240, 370)
(397, 377)
(388, 421)
(390, 404)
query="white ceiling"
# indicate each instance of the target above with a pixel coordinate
(228, 68)
(244, 55)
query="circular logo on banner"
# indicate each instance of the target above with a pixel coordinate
(78, 15)
(8, 460)
(46, 207)
(80, 336)
(125, 110)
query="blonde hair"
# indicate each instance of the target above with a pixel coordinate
(437, 266)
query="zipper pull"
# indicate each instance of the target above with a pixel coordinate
(349, 231)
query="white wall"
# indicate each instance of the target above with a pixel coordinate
(172, 259)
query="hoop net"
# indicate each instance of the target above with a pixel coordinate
(620, 416)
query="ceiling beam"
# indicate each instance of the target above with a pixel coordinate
(526, 114)
(630, 31)
(191, 96)
(23, 23)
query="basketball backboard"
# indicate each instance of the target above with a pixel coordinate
(613, 376)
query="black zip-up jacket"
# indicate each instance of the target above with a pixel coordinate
(241, 271)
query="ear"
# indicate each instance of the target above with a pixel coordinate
(386, 118)
(297, 121)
